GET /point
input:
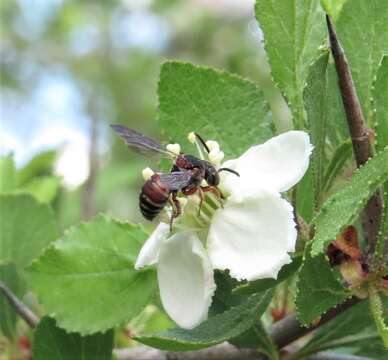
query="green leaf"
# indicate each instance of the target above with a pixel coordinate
(381, 120)
(318, 288)
(265, 344)
(44, 188)
(333, 7)
(218, 105)
(293, 31)
(381, 105)
(7, 173)
(363, 31)
(86, 280)
(377, 310)
(27, 227)
(40, 165)
(264, 284)
(337, 129)
(52, 342)
(341, 155)
(10, 277)
(351, 329)
(305, 203)
(224, 299)
(315, 97)
(342, 208)
(215, 330)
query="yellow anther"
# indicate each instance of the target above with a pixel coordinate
(174, 148)
(192, 137)
(147, 173)
(213, 145)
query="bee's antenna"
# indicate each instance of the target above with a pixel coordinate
(202, 142)
(229, 170)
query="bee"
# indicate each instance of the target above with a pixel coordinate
(186, 176)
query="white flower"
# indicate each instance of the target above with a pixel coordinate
(250, 236)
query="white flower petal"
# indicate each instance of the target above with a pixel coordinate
(149, 253)
(252, 235)
(186, 281)
(278, 164)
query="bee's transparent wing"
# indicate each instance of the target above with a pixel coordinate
(139, 142)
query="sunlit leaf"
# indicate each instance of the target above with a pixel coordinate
(86, 280)
(293, 31)
(216, 104)
(363, 31)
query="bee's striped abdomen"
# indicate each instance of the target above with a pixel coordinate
(153, 197)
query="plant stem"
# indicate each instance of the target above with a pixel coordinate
(20, 308)
(359, 134)
(288, 330)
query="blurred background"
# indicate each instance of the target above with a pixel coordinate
(71, 68)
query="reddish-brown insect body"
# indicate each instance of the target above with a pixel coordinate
(153, 198)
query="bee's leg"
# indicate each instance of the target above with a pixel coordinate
(201, 198)
(176, 208)
(200, 194)
(216, 191)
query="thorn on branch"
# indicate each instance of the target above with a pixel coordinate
(359, 133)
(20, 308)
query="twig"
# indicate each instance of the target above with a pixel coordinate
(328, 355)
(287, 330)
(359, 134)
(20, 308)
(224, 351)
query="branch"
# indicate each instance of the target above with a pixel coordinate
(328, 355)
(287, 330)
(222, 351)
(20, 308)
(359, 134)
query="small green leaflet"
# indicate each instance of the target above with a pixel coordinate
(27, 227)
(318, 288)
(293, 31)
(215, 330)
(52, 342)
(86, 280)
(342, 208)
(218, 105)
